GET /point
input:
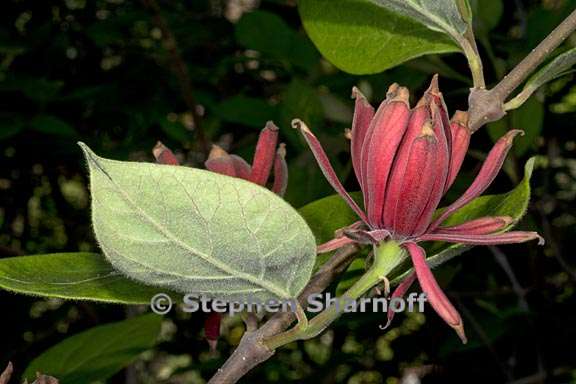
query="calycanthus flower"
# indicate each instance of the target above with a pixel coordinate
(405, 160)
(269, 156)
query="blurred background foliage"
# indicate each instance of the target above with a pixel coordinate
(122, 74)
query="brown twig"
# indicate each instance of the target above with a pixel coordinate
(180, 71)
(251, 351)
(488, 105)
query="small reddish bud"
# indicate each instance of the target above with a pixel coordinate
(212, 328)
(220, 161)
(264, 154)
(164, 155)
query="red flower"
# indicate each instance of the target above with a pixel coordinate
(405, 160)
(266, 157)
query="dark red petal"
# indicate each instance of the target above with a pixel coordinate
(494, 239)
(438, 100)
(164, 155)
(379, 150)
(395, 185)
(334, 244)
(399, 292)
(363, 114)
(417, 183)
(434, 293)
(481, 226)
(460, 141)
(280, 171)
(326, 167)
(439, 175)
(212, 328)
(264, 154)
(488, 172)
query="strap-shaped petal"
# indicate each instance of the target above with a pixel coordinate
(326, 167)
(481, 226)
(487, 174)
(434, 293)
(494, 239)
(334, 244)
(399, 292)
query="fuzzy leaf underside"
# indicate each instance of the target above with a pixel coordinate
(199, 232)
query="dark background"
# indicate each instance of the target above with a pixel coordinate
(103, 72)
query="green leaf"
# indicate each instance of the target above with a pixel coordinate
(52, 125)
(529, 118)
(438, 15)
(326, 215)
(561, 65)
(98, 353)
(513, 204)
(361, 37)
(10, 126)
(488, 14)
(246, 110)
(198, 232)
(76, 276)
(255, 28)
(300, 100)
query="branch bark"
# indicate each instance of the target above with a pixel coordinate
(251, 351)
(180, 71)
(488, 105)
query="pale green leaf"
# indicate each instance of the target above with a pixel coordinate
(195, 231)
(76, 276)
(361, 37)
(561, 65)
(554, 69)
(98, 353)
(438, 15)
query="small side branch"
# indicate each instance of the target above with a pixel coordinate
(535, 58)
(252, 351)
(488, 105)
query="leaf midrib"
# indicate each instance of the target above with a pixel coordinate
(222, 266)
